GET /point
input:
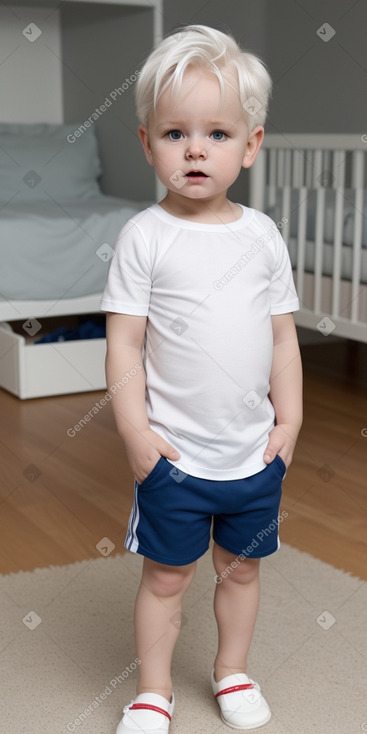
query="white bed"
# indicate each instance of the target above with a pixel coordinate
(57, 228)
(314, 187)
(54, 254)
(57, 232)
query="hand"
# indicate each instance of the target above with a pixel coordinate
(144, 450)
(282, 440)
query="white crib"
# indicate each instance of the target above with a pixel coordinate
(314, 186)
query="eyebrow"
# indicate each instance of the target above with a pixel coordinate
(212, 123)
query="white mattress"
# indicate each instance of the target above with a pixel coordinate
(48, 251)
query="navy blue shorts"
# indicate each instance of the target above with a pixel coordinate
(172, 514)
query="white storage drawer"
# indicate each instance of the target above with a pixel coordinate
(31, 370)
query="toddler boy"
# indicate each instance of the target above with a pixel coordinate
(200, 294)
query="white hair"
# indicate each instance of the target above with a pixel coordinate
(199, 45)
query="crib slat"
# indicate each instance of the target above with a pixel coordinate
(296, 183)
(258, 182)
(287, 167)
(308, 168)
(272, 177)
(327, 165)
(298, 162)
(298, 169)
(319, 184)
(358, 159)
(284, 181)
(286, 213)
(319, 246)
(317, 169)
(339, 175)
(280, 168)
(301, 240)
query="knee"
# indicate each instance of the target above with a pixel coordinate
(233, 568)
(166, 581)
(246, 571)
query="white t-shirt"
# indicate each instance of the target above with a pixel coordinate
(209, 291)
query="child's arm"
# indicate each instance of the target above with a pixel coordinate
(125, 338)
(285, 389)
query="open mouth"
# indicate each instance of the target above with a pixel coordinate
(196, 174)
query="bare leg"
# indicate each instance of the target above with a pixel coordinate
(236, 603)
(157, 623)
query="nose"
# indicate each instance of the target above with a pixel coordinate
(196, 150)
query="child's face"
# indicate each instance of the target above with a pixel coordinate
(196, 144)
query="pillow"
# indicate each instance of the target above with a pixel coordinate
(37, 162)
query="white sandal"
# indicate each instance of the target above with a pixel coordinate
(241, 703)
(148, 713)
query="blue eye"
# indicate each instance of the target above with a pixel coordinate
(175, 135)
(218, 135)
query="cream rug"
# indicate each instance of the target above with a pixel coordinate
(67, 658)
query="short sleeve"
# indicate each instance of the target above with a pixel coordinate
(129, 282)
(282, 291)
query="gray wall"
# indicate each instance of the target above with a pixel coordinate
(318, 86)
(102, 47)
(245, 19)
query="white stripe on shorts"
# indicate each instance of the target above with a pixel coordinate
(131, 540)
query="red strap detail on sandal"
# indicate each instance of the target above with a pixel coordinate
(151, 707)
(233, 689)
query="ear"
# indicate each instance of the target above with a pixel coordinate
(254, 143)
(144, 138)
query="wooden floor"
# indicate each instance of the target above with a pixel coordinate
(61, 495)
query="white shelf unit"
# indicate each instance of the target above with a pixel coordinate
(103, 43)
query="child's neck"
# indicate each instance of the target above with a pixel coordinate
(207, 212)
